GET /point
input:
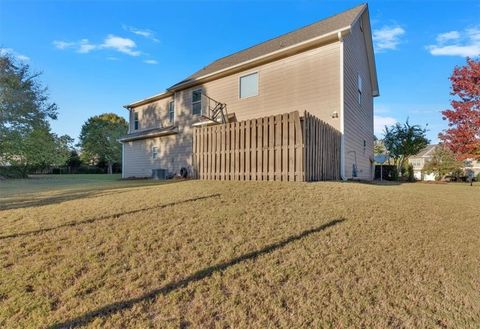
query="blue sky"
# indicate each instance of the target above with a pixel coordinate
(99, 55)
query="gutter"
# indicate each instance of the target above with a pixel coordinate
(173, 130)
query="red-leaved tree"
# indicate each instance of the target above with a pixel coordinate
(463, 134)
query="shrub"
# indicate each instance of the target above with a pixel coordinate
(12, 172)
(90, 170)
(411, 174)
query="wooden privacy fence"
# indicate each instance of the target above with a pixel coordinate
(282, 147)
(321, 148)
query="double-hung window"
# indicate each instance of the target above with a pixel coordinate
(154, 152)
(171, 112)
(135, 120)
(197, 102)
(249, 85)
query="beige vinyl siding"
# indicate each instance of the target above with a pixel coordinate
(358, 124)
(174, 152)
(308, 81)
(151, 115)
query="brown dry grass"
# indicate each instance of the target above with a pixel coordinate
(245, 254)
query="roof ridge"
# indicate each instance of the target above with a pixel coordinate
(287, 33)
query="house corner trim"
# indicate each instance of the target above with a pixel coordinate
(342, 109)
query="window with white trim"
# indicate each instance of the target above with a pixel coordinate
(171, 112)
(359, 88)
(197, 102)
(135, 121)
(154, 152)
(249, 85)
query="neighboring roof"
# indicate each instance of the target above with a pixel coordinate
(426, 152)
(148, 133)
(308, 32)
(324, 27)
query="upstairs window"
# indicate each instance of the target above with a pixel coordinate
(154, 152)
(197, 102)
(359, 89)
(135, 120)
(249, 85)
(171, 112)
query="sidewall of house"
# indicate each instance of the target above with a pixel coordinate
(174, 153)
(358, 118)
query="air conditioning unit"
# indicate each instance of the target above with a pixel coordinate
(159, 174)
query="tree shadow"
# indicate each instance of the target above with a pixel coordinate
(25, 202)
(197, 276)
(95, 219)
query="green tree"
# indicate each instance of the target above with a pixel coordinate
(404, 140)
(442, 163)
(378, 147)
(73, 162)
(99, 139)
(25, 138)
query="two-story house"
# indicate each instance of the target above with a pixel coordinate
(326, 68)
(419, 160)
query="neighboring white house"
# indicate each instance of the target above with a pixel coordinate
(473, 165)
(418, 162)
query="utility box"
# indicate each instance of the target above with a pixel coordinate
(159, 174)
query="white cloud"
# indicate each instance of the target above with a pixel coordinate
(123, 45)
(379, 123)
(447, 36)
(63, 44)
(455, 43)
(387, 37)
(146, 33)
(150, 61)
(113, 42)
(13, 53)
(85, 46)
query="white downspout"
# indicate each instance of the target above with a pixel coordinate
(342, 110)
(123, 160)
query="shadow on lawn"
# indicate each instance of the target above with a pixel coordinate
(95, 219)
(26, 202)
(197, 276)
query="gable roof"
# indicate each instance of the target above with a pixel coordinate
(326, 27)
(426, 152)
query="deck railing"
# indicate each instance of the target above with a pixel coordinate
(214, 110)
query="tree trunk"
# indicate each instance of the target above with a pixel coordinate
(110, 165)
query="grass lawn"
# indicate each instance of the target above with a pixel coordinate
(60, 187)
(242, 254)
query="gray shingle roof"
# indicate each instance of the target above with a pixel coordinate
(425, 152)
(308, 32)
